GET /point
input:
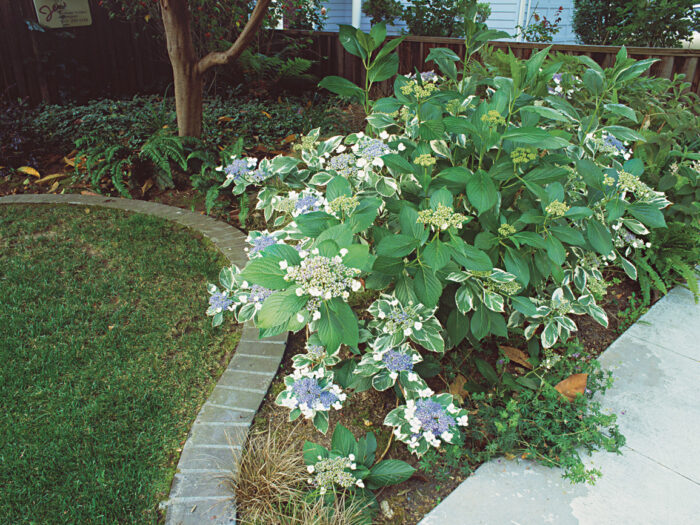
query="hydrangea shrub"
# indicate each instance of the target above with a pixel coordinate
(473, 207)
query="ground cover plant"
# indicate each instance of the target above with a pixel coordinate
(103, 365)
(129, 147)
(472, 225)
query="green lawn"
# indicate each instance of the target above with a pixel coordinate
(105, 357)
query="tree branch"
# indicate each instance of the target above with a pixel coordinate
(221, 58)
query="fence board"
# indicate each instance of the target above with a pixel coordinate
(108, 59)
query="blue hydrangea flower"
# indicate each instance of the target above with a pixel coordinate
(433, 416)
(308, 392)
(396, 361)
(306, 203)
(370, 149)
(344, 164)
(258, 294)
(260, 243)
(237, 169)
(611, 141)
(219, 301)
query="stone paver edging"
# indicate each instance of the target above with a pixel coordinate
(198, 494)
(656, 480)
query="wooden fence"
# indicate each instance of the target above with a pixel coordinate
(110, 58)
(413, 51)
(107, 58)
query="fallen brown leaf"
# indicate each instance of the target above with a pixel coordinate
(517, 355)
(146, 186)
(457, 387)
(572, 385)
(85, 192)
(54, 187)
(52, 177)
(28, 170)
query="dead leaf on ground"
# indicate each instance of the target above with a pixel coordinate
(69, 161)
(51, 177)
(517, 355)
(146, 186)
(289, 138)
(28, 170)
(85, 192)
(54, 187)
(572, 385)
(225, 119)
(457, 387)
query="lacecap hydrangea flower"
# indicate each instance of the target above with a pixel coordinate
(259, 240)
(425, 422)
(310, 391)
(321, 277)
(386, 366)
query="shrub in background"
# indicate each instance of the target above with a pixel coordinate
(655, 23)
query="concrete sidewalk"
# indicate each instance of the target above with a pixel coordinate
(656, 365)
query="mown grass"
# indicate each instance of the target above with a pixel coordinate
(105, 357)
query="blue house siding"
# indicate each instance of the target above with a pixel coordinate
(505, 16)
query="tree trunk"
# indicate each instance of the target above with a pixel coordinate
(187, 79)
(188, 72)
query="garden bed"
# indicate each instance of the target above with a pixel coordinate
(364, 412)
(104, 365)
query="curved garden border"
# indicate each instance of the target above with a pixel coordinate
(198, 494)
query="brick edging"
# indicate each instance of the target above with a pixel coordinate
(198, 493)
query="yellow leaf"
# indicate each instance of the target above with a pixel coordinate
(225, 119)
(28, 170)
(54, 187)
(517, 355)
(266, 114)
(146, 186)
(147, 17)
(457, 387)
(70, 162)
(572, 385)
(52, 177)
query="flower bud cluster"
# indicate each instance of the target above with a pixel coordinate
(308, 143)
(557, 209)
(330, 472)
(426, 160)
(523, 155)
(343, 205)
(493, 118)
(508, 288)
(420, 92)
(505, 229)
(628, 182)
(442, 218)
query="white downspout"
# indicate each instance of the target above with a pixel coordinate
(521, 19)
(356, 13)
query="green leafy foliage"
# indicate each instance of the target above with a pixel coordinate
(656, 23)
(540, 424)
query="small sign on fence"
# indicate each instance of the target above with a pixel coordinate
(57, 14)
